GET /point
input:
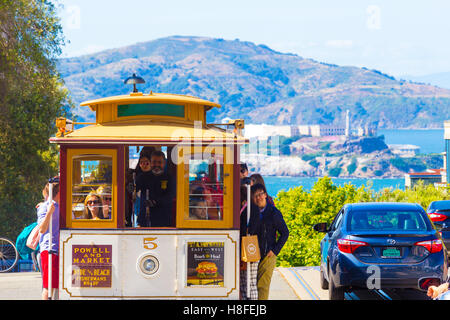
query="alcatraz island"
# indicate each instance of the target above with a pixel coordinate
(315, 151)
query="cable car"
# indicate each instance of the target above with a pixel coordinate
(106, 251)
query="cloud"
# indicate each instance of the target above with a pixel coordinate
(339, 43)
(89, 49)
(72, 17)
(373, 21)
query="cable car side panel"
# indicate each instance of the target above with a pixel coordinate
(139, 264)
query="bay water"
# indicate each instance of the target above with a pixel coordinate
(429, 140)
(275, 184)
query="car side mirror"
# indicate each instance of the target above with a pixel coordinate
(321, 227)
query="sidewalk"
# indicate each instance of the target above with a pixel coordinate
(27, 286)
(280, 288)
(20, 286)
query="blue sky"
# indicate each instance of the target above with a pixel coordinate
(397, 37)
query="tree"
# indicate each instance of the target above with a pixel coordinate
(31, 97)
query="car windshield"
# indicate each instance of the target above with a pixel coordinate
(387, 221)
(440, 205)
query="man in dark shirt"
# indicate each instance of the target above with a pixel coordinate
(157, 192)
(270, 222)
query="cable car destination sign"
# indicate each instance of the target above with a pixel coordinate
(91, 266)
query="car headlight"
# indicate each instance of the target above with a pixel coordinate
(149, 265)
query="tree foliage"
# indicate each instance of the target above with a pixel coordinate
(31, 97)
(302, 209)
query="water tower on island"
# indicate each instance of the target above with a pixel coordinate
(347, 124)
(447, 149)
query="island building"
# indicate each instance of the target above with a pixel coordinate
(430, 176)
(447, 150)
(404, 150)
(264, 131)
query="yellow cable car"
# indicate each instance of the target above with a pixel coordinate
(119, 241)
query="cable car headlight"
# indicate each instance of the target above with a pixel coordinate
(149, 265)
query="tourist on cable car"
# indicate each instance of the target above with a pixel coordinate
(244, 171)
(105, 193)
(250, 229)
(270, 222)
(257, 178)
(93, 207)
(198, 208)
(157, 191)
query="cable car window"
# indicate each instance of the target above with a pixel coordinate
(205, 188)
(151, 187)
(91, 187)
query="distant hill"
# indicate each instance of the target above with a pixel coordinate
(257, 84)
(441, 79)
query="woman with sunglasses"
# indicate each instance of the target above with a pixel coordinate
(93, 207)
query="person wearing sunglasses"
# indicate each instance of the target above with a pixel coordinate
(244, 171)
(93, 207)
(106, 195)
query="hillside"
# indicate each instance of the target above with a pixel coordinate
(441, 79)
(258, 84)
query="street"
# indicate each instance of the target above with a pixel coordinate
(295, 283)
(306, 284)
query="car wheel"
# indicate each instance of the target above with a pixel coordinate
(334, 293)
(323, 281)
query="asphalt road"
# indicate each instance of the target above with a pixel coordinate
(306, 284)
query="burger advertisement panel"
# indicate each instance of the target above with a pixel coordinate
(205, 264)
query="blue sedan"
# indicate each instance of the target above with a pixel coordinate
(380, 245)
(439, 213)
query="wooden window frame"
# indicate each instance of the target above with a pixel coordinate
(87, 223)
(185, 153)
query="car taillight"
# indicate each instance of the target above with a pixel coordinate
(349, 246)
(425, 283)
(431, 245)
(437, 217)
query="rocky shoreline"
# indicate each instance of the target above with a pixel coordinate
(367, 157)
(296, 167)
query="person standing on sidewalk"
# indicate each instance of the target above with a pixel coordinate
(49, 210)
(251, 267)
(270, 222)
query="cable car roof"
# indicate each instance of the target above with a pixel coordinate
(150, 118)
(156, 131)
(139, 97)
